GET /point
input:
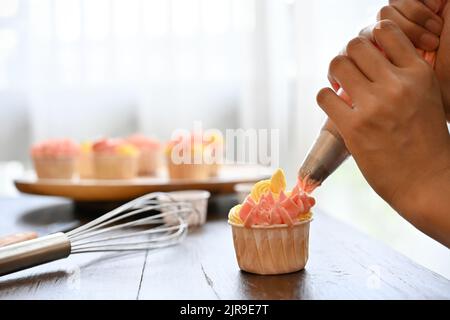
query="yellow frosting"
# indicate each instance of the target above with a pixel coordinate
(233, 216)
(276, 184)
(260, 188)
(215, 138)
(127, 150)
(86, 147)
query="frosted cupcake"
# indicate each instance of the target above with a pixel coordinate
(150, 154)
(271, 228)
(213, 150)
(115, 159)
(55, 159)
(86, 166)
(185, 160)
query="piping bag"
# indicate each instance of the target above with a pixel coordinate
(328, 151)
(326, 154)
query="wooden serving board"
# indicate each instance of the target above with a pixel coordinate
(118, 190)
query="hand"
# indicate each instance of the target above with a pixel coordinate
(442, 66)
(419, 21)
(395, 128)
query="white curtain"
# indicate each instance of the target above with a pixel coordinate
(85, 68)
(94, 67)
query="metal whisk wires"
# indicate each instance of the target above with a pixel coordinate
(114, 232)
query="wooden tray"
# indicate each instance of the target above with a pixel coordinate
(118, 190)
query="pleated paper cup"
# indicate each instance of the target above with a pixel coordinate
(273, 249)
(188, 171)
(57, 168)
(149, 162)
(115, 167)
(86, 166)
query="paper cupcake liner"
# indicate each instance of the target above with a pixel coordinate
(187, 171)
(273, 249)
(214, 169)
(86, 166)
(115, 167)
(149, 162)
(64, 168)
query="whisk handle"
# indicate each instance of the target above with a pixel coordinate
(34, 252)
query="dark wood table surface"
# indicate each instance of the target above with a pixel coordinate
(343, 264)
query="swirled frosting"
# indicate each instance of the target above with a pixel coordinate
(114, 147)
(269, 203)
(55, 148)
(143, 142)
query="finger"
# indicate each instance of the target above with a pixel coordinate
(418, 13)
(420, 37)
(434, 5)
(368, 58)
(336, 109)
(395, 44)
(344, 71)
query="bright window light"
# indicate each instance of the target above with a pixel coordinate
(156, 21)
(67, 20)
(8, 8)
(216, 16)
(125, 18)
(8, 41)
(185, 17)
(97, 19)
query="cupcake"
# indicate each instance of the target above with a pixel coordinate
(271, 227)
(150, 154)
(55, 159)
(86, 165)
(185, 159)
(115, 159)
(213, 152)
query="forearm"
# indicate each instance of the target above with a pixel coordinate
(427, 205)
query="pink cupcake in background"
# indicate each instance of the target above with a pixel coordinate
(115, 159)
(150, 153)
(55, 158)
(86, 165)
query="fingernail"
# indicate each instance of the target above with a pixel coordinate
(429, 41)
(434, 26)
(434, 5)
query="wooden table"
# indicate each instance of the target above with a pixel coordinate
(344, 264)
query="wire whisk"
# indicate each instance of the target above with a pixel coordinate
(142, 224)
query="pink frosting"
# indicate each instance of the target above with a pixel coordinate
(188, 139)
(284, 210)
(55, 148)
(144, 143)
(107, 146)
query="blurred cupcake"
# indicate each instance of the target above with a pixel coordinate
(86, 166)
(213, 152)
(150, 154)
(271, 227)
(115, 159)
(55, 159)
(184, 158)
